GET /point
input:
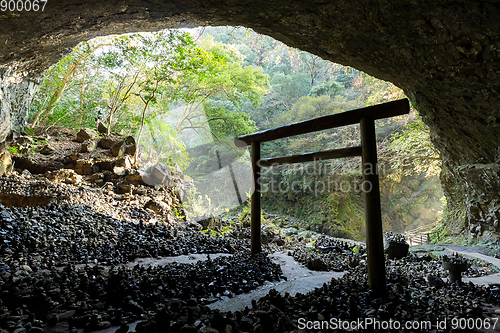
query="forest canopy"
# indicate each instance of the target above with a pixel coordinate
(174, 90)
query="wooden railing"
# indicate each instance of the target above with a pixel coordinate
(420, 235)
(368, 151)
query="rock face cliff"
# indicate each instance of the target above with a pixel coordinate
(444, 54)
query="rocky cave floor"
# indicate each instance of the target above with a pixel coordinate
(70, 242)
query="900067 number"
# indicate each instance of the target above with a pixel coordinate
(22, 5)
(473, 323)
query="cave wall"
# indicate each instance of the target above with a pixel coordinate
(17, 90)
(444, 54)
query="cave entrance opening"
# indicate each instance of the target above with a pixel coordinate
(368, 151)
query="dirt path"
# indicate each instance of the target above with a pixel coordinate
(488, 279)
(457, 248)
(299, 280)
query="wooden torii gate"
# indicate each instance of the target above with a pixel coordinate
(368, 151)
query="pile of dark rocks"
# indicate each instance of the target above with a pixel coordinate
(97, 297)
(57, 235)
(409, 298)
(331, 254)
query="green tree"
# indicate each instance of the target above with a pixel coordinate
(224, 78)
(308, 107)
(169, 55)
(123, 63)
(226, 124)
(327, 88)
(59, 77)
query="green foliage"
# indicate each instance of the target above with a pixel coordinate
(228, 82)
(136, 78)
(61, 98)
(302, 87)
(378, 91)
(327, 88)
(414, 152)
(161, 144)
(13, 149)
(30, 131)
(346, 80)
(177, 212)
(225, 80)
(226, 124)
(307, 107)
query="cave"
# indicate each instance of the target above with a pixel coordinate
(443, 54)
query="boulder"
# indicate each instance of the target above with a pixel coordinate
(101, 128)
(122, 188)
(121, 165)
(109, 176)
(159, 207)
(119, 171)
(395, 245)
(85, 167)
(118, 149)
(207, 221)
(52, 319)
(264, 239)
(105, 165)
(396, 250)
(88, 146)
(134, 178)
(67, 160)
(66, 315)
(158, 174)
(97, 178)
(37, 166)
(67, 176)
(106, 143)
(435, 281)
(47, 150)
(86, 134)
(130, 150)
(317, 264)
(36, 330)
(5, 160)
(129, 140)
(102, 325)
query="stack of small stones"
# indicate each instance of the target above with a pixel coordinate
(330, 254)
(408, 299)
(394, 237)
(455, 259)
